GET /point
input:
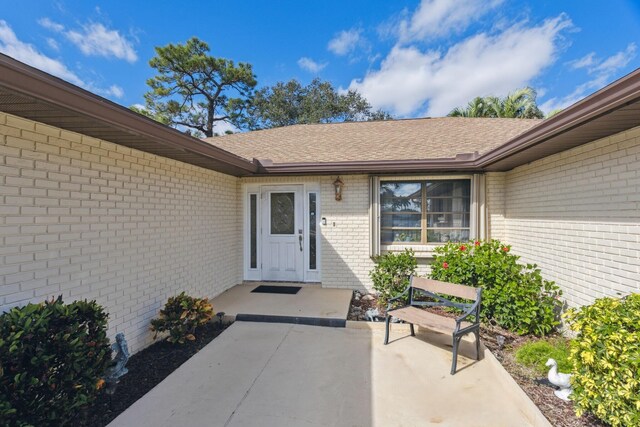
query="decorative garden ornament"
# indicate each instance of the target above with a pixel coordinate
(372, 314)
(121, 358)
(560, 380)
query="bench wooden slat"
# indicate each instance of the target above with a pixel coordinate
(413, 314)
(427, 319)
(438, 287)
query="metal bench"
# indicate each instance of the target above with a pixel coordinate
(413, 313)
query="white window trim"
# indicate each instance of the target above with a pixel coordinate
(477, 225)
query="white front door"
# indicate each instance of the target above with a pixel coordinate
(282, 233)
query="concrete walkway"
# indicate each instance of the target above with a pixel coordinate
(259, 374)
(311, 302)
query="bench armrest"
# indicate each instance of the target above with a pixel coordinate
(468, 313)
(474, 309)
(401, 296)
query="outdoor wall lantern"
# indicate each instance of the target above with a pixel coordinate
(337, 185)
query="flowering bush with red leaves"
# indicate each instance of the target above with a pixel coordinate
(515, 296)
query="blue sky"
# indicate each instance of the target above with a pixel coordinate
(412, 58)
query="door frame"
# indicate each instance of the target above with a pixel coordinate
(247, 190)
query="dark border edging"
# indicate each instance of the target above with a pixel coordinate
(312, 321)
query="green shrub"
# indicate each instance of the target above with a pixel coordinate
(181, 316)
(515, 296)
(536, 353)
(52, 357)
(606, 359)
(391, 274)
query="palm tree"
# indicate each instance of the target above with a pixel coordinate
(520, 104)
(478, 107)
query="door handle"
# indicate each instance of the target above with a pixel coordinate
(300, 238)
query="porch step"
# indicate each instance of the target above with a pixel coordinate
(311, 321)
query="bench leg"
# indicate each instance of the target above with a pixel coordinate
(413, 333)
(454, 362)
(477, 332)
(386, 328)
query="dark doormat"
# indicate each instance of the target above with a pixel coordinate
(267, 289)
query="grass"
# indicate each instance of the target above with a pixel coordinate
(535, 354)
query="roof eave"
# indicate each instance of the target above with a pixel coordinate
(618, 94)
(43, 87)
(357, 167)
(619, 99)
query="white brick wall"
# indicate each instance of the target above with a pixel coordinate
(495, 202)
(577, 215)
(85, 218)
(89, 219)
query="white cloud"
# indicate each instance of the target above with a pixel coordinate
(617, 61)
(410, 79)
(311, 65)
(602, 72)
(53, 44)
(50, 25)
(438, 18)
(94, 39)
(115, 91)
(221, 128)
(24, 52)
(27, 53)
(584, 62)
(97, 40)
(345, 42)
(561, 103)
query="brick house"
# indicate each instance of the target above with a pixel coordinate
(99, 202)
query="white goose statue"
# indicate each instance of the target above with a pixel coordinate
(560, 380)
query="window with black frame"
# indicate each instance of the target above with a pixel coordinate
(425, 211)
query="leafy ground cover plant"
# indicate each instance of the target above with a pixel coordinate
(391, 274)
(52, 359)
(181, 315)
(515, 296)
(606, 359)
(536, 353)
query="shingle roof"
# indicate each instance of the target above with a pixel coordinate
(415, 139)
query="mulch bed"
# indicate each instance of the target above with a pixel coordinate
(558, 412)
(146, 368)
(360, 303)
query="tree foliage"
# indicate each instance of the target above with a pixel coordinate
(194, 90)
(289, 103)
(151, 114)
(520, 104)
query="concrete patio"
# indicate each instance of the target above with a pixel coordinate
(268, 374)
(312, 304)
